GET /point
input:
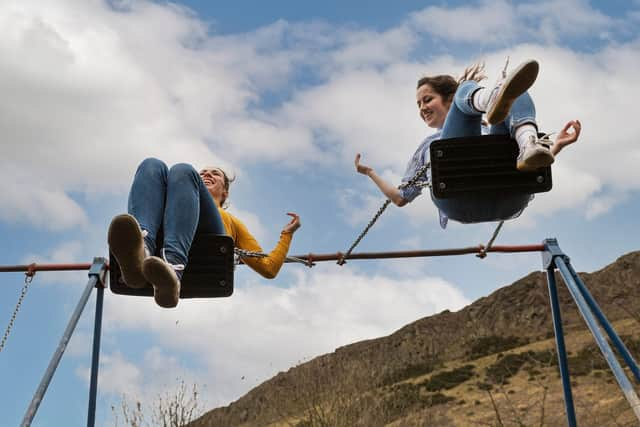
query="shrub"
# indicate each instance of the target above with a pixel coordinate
(494, 344)
(449, 379)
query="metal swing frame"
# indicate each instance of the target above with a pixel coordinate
(552, 259)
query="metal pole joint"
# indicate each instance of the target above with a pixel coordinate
(98, 270)
(551, 252)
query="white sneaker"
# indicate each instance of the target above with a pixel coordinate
(508, 88)
(534, 154)
(163, 278)
(126, 241)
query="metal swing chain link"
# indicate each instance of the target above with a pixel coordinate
(242, 253)
(412, 181)
(484, 249)
(27, 281)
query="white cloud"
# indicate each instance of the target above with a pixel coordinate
(262, 329)
(562, 18)
(32, 203)
(498, 22)
(95, 96)
(117, 375)
(488, 22)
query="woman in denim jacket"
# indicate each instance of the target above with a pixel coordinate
(455, 109)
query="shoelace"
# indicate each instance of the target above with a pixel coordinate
(499, 83)
(546, 140)
(504, 70)
(176, 267)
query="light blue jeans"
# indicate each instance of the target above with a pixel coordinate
(464, 120)
(172, 203)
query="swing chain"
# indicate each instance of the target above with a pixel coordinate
(28, 278)
(343, 257)
(484, 249)
(242, 253)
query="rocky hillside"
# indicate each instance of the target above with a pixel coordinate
(491, 363)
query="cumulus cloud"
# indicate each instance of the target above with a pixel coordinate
(486, 22)
(94, 97)
(262, 329)
(499, 22)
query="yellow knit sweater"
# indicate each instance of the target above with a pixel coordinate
(268, 266)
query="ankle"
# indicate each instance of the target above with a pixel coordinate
(524, 133)
(176, 265)
(480, 99)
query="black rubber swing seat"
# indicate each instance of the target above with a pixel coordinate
(208, 274)
(482, 164)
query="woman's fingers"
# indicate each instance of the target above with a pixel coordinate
(294, 224)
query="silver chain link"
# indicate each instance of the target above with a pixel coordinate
(27, 280)
(242, 253)
(412, 181)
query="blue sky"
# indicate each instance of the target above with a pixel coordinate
(283, 94)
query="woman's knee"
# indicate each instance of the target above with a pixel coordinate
(183, 171)
(463, 97)
(152, 165)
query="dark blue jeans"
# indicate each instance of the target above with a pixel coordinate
(172, 202)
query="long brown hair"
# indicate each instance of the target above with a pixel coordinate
(446, 85)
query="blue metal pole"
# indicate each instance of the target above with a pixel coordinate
(95, 359)
(562, 352)
(64, 341)
(608, 354)
(606, 325)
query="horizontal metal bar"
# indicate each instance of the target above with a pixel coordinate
(314, 257)
(420, 253)
(44, 267)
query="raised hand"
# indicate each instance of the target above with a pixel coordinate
(293, 225)
(363, 169)
(567, 136)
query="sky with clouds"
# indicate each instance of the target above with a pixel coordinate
(283, 97)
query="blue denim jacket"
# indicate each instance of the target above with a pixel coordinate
(466, 209)
(419, 158)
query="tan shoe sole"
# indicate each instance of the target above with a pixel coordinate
(541, 159)
(519, 81)
(127, 245)
(166, 286)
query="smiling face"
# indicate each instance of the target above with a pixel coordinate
(217, 184)
(433, 108)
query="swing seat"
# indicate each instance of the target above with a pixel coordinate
(208, 274)
(482, 164)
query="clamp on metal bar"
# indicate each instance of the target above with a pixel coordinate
(551, 252)
(99, 270)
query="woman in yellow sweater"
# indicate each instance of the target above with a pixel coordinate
(182, 202)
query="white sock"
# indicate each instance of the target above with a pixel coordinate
(524, 132)
(480, 99)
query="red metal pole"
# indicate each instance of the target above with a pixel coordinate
(43, 267)
(421, 253)
(32, 268)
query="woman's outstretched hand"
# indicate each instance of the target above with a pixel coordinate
(363, 169)
(567, 137)
(293, 225)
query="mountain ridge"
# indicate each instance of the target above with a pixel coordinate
(512, 316)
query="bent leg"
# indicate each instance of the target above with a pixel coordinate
(463, 119)
(189, 208)
(147, 198)
(523, 112)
